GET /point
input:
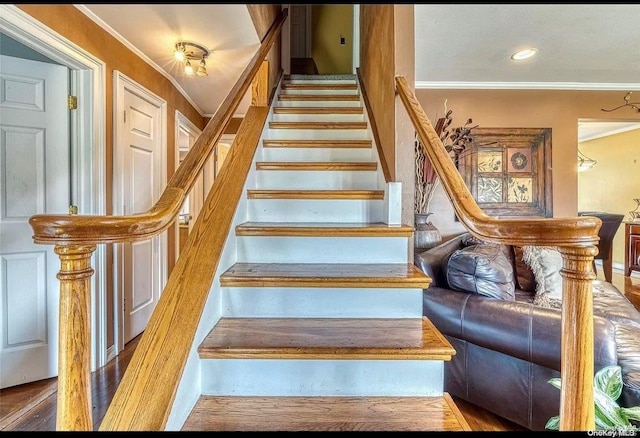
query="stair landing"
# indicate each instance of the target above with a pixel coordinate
(212, 413)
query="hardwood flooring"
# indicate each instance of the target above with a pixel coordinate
(32, 406)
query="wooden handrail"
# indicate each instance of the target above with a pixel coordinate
(143, 399)
(575, 238)
(86, 229)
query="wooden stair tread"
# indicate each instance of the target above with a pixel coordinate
(318, 110)
(325, 338)
(326, 229)
(313, 97)
(317, 86)
(435, 413)
(317, 143)
(318, 125)
(315, 194)
(375, 275)
(317, 165)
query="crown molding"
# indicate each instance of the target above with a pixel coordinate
(463, 85)
(629, 127)
(93, 17)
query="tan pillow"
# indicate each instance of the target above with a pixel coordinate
(524, 275)
(545, 263)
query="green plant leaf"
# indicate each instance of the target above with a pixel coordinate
(607, 387)
(609, 381)
(553, 423)
(555, 381)
(607, 409)
(631, 413)
(602, 424)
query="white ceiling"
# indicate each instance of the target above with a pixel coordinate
(580, 46)
(457, 45)
(152, 30)
(590, 130)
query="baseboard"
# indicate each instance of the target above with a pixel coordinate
(618, 268)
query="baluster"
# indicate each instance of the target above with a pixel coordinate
(74, 344)
(577, 409)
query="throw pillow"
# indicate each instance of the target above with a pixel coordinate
(482, 269)
(545, 263)
(525, 279)
(470, 239)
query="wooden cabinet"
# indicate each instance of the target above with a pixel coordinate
(631, 247)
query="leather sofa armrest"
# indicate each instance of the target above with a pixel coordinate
(517, 329)
(431, 261)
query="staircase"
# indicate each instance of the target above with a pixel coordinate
(320, 313)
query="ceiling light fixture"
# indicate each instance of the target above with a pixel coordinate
(524, 54)
(186, 51)
(584, 162)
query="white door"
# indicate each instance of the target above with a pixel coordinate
(140, 171)
(34, 179)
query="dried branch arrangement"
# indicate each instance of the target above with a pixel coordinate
(455, 142)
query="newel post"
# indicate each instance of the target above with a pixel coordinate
(577, 409)
(74, 410)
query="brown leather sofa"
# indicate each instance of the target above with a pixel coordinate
(508, 349)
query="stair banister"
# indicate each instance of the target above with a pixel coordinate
(144, 402)
(576, 239)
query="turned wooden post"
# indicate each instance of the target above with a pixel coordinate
(577, 409)
(74, 344)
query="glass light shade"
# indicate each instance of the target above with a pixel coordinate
(188, 69)
(584, 162)
(202, 69)
(179, 53)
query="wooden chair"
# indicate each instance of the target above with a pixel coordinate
(610, 224)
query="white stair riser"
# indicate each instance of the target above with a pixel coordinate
(323, 91)
(318, 117)
(314, 210)
(275, 377)
(295, 302)
(316, 180)
(324, 103)
(316, 154)
(317, 134)
(263, 249)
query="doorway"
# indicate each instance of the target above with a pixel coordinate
(324, 39)
(139, 179)
(186, 135)
(34, 179)
(611, 183)
(86, 170)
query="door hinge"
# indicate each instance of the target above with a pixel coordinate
(73, 209)
(125, 117)
(72, 102)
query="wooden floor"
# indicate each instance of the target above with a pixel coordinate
(32, 407)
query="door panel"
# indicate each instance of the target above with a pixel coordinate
(34, 179)
(142, 185)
